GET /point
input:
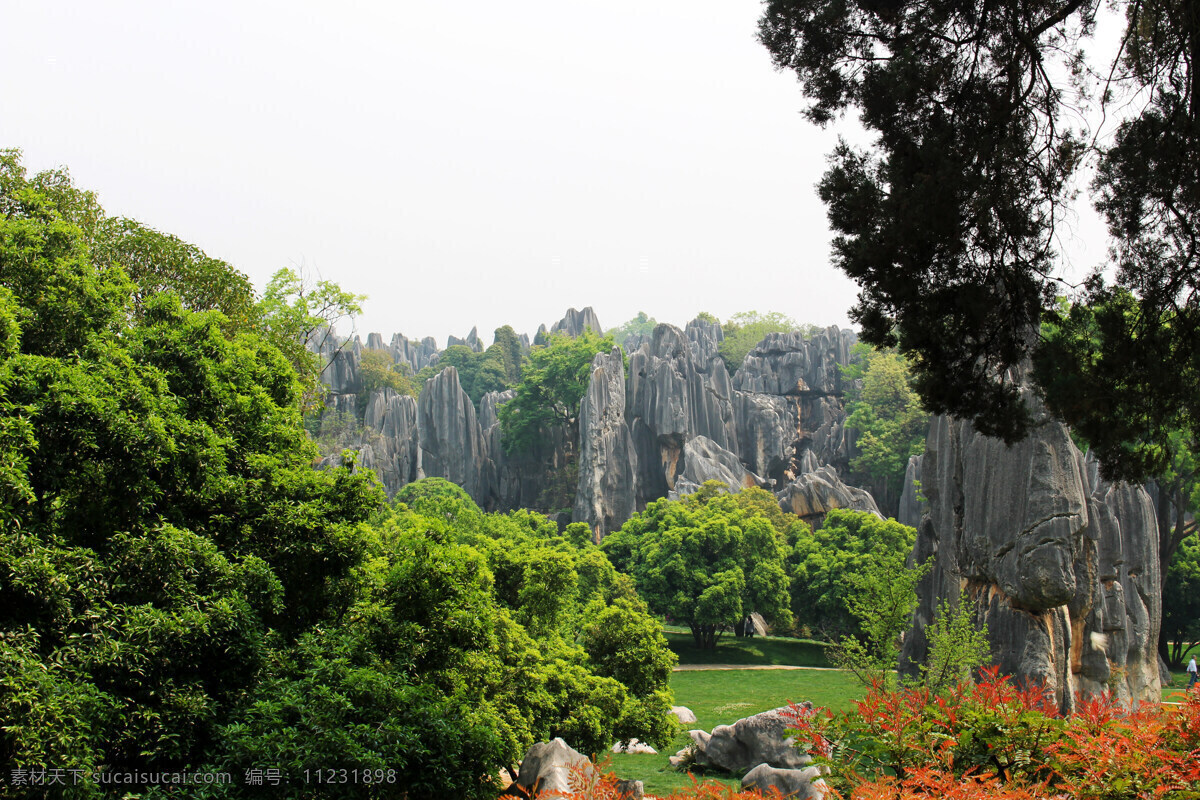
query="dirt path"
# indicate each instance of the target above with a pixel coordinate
(689, 667)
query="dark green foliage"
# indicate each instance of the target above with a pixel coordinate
(552, 385)
(948, 222)
(512, 354)
(1181, 604)
(180, 589)
(332, 709)
(705, 562)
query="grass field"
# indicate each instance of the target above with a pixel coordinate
(754, 650)
(719, 697)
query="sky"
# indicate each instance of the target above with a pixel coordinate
(462, 164)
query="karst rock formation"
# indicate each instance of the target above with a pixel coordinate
(1061, 565)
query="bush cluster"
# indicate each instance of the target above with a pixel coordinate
(994, 740)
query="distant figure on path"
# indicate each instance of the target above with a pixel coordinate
(1191, 671)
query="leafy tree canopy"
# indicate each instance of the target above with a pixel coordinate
(706, 562)
(552, 386)
(1181, 604)
(978, 114)
(641, 325)
(886, 412)
(179, 589)
(377, 371)
(298, 315)
(827, 566)
(746, 329)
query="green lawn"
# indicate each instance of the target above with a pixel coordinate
(753, 650)
(719, 697)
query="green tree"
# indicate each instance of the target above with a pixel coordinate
(551, 388)
(746, 329)
(957, 648)
(179, 589)
(641, 325)
(887, 414)
(881, 599)
(163, 520)
(1181, 604)
(948, 221)
(298, 316)
(706, 563)
(512, 353)
(828, 566)
(592, 632)
(159, 262)
(377, 371)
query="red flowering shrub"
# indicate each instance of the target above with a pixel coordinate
(988, 741)
(997, 741)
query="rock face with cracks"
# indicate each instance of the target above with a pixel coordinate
(1061, 565)
(608, 468)
(793, 784)
(547, 768)
(815, 494)
(672, 420)
(758, 739)
(705, 460)
(451, 441)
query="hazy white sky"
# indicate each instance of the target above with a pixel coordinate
(467, 163)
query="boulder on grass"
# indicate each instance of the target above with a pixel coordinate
(548, 766)
(758, 739)
(794, 784)
(630, 790)
(683, 714)
(634, 746)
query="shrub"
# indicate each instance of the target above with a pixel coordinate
(998, 741)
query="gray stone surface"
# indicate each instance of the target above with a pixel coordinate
(669, 422)
(815, 494)
(416, 354)
(804, 413)
(341, 372)
(684, 714)
(608, 469)
(758, 739)
(768, 433)
(912, 503)
(629, 789)
(390, 422)
(471, 341)
(705, 460)
(547, 767)
(672, 398)
(789, 364)
(575, 322)
(1062, 566)
(451, 442)
(797, 784)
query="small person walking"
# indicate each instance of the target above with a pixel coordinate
(1191, 671)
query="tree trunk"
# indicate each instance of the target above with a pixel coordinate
(705, 636)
